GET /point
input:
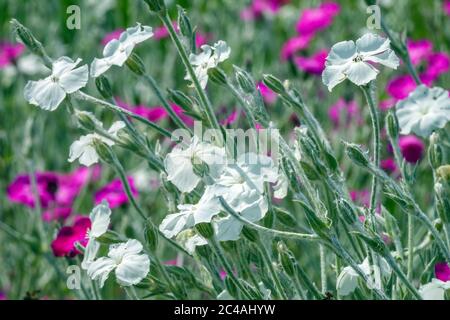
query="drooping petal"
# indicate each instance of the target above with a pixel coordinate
(99, 66)
(63, 65)
(174, 223)
(44, 93)
(100, 218)
(100, 269)
(132, 269)
(347, 281)
(90, 253)
(228, 228)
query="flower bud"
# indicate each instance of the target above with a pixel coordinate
(104, 151)
(151, 236)
(347, 211)
(316, 223)
(129, 142)
(286, 259)
(135, 64)
(250, 234)
(87, 120)
(443, 172)
(157, 6)
(110, 237)
(30, 41)
(435, 156)
(244, 80)
(205, 230)
(184, 23)
(103, 86)
(357, 155)
(181, 99)
(217, 76)
(273, 83)
(392, 126)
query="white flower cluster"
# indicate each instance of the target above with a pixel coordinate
(240, 183)
(126, 259)
(209, 58)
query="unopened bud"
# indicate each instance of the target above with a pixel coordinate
(347, 211)
(244, 80)
(274, 84)
(151, 236)
(103, 86)
(357, 155)
(184, 24)
(157, 6)
(87, 120)
(181, 99)
(392, 124)
(217, 76)
(435, 155)
(110, 237)
(231, 287)
(286, 259)
(316, 223)
(135, 64)
(104, 151)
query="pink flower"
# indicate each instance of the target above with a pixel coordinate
(387, 104)
(9, 52)
(222, 274)
(292, 45)
(56, 213)
(259, 7)
(112, 35)
(438, 63)
(162, 33)
(446, 7)
(180, 112)
(201, 39)
(419, 50)
(172, 262)
(232, 117)
(343, 112)
(388, 165)
(21, 190)
(360, 197)
(315, 19)
(64, 244)
(411, 148)
(153, 114)
(268, 95)
(400, 87)
(442, 271)
(314, 64)
(114, 193)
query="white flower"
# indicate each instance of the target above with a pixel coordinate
(84, 150)
(354, 61)
(209, 58)
(347, 280)
(116, 52)
(126, 259)
(100, 218)
(180, 162)
(425, 110)
(48, 93)
(242, 186)
(191, 214)
(281, 188)
(434, 290)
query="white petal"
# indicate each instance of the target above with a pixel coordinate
(44, 93)
(100, 269)
(180, 170)
(134, 35)
(74, 80)
(371, 44)
(207, 208)
(90, 253)
(341, 53)
(194, 241)
(281, 188)
(63, 65)
(227, 229)
(333, 75)
(221, 51)
(347, 281)
(99, 66)
(361, 73)
(132, 269)
(115, 127)
(174, 223)
(120, 250)
(387, 58)
(100, 219)
(434, 290)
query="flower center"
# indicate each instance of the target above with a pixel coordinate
(54, 79)
(358, 58)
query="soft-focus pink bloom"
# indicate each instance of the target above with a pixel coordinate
(386, 239)
(222, 274)
(419, 50)
(258, 126)
(360, 197)
(64, 244)
(438, 63)
(172, 262)
(314, 64)
(162, 33)
(295, 44)
(268, 95)
(442, 271)
(315, 19)
(446, 7)
(388, 165)
(343, 112)
(112, 35)
(411, 147)
(114, 193)
(180, 112)
(232, 117)
(387, 103)
(259, 7)
(9, 52)
(56, 213)
(400, 87)
(3, 296)
(153, 114)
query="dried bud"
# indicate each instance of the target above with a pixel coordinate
(274, 84)
(443, 172)
(435, 155)
(135, 64)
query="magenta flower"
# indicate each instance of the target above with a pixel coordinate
(111, 36)
(438, 63)
(314, 64)
(232, 117)
(295, 44)
(388, 165)
(442, 271)
(259, 7)
(411, 148)
(400, 87)
(56, 213)
(343, 112)
(21, 191)
(114, 193)
(9, 52)
(172, 262)
(419, 50)
(360, 197)
(387, 103)
(316, 19)
(64, 244)
(268, 95)
(446, 7)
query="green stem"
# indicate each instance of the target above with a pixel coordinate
(410, 246)
(323, 274)
(303, 277)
